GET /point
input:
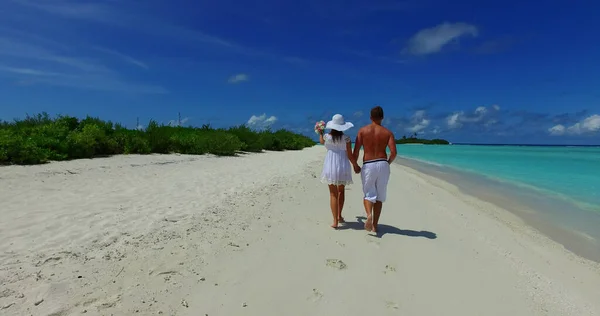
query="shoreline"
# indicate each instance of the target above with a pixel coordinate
(195, 235)
(542, 212)
(557, 173)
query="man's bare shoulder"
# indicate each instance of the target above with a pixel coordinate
(390, 132)
(385, 130)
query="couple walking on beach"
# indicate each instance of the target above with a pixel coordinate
(341, 158)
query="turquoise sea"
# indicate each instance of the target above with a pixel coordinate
(570, 173)
(553, 188)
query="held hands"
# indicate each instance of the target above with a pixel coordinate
(356, 168)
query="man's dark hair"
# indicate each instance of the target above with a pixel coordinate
(377, 113)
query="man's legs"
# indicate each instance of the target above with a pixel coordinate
(369, 191)
(369, 209)
(376, 213)
(381, 185)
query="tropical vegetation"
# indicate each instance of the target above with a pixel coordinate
(412, 139)
(40, 138)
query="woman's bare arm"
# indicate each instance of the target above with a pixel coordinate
(352, 157)
(349, 153)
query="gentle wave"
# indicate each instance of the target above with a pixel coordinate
(422, 161)
(568, 173)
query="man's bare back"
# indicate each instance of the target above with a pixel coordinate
(375, 139)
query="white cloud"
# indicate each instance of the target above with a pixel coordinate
(432, 40)
(590, 124)
(177, 123)
(67, 9)
(419, 114)
(29, 49)
(358, 114)
(112, 14)
(418, 122)
(490, 122)
(238, 78)
(28, 71)
(124, 57)
(419, 126)
(105, 13)
(557, 130)
(261, 121)
(63, 69)
(454, 120)
(481, 115)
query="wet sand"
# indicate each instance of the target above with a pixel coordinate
(564, 222)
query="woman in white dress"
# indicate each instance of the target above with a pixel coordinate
(337, 168)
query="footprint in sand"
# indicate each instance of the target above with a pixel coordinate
(109, 302)
(372, 241)
(391, 305)
(389, 268)
(336, 263)
(317, 295)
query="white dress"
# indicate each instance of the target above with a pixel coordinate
(336, 168)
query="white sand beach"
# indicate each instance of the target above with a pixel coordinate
(250, 235)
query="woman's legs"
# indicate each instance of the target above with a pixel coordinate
(341, 199)
(334, 204)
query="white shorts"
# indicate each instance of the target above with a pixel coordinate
(375, 175)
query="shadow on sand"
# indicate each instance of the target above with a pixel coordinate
(386, 229)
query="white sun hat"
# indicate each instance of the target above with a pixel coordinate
(337, 123)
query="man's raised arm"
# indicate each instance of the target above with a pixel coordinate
(392, 146)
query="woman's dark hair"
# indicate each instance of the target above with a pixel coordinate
(336, 135)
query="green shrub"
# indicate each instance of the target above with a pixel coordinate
(131, 142)
(83, 143)
(188, 142)
(223, 143)
(38, 139)
(8, 141)
(285, 140)
(21, 150)
(251, 141)
(3, 156)
(159, 137)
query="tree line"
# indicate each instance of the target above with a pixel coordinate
(413, 139)
(38, 139)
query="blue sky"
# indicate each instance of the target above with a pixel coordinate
(505, 72)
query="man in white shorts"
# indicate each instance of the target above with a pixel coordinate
(375, 171)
